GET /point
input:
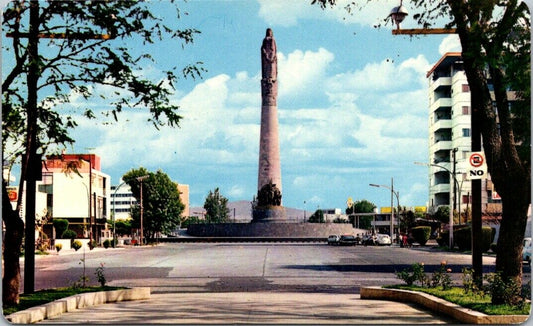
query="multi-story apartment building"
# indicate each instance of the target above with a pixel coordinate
(449, 138)
(78, 191)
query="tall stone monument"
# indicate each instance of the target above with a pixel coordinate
(267, 206)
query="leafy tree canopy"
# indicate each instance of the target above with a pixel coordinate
(162, 206)
(216, 207)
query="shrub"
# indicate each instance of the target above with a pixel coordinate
(462, 237)
(421, 234)
(416, 274)
(506, 291)
(444, 238)
(76, 245)
(61, 226)
(59, 247)
(92, 244)
(442, 277)
(100, 275)
(69, 234)
(107, 243)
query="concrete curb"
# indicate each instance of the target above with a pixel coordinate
(78, 301)
(439, 305)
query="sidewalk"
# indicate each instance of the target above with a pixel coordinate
(252, 308)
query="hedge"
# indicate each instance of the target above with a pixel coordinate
(421, 234)
(463, 239)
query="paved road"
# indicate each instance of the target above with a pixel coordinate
(227, 267)
(280, 283)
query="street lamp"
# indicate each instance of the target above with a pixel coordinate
(140, 180)
(398, 14)
(391, 188)
(452, 194)
(114, 211)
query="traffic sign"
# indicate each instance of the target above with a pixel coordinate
(477, 168)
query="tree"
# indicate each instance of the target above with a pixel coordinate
(216, 207)
(317, 217)
(442, 214)
(85, 46)
(162, 206)
(496, 50)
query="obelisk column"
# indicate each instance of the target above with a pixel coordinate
(269, 159)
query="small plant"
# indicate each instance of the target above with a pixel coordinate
(442, 277)
(416, 274)
(81, 282)
(421, 234)
(507, 291)
(76, 245)
(59, 246)
(100, 275)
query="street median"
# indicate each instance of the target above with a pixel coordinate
(78, 301)
(439, 305)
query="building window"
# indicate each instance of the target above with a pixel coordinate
(466, 132)
(466, 110)
(466, 88)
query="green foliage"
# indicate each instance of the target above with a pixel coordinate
(504, 291)
(216, 207)
(421, 234)
(59, 246)
(361, 206)
(123, 227)
(462, 238)
(100, 276)
(92, 244)
(162, 206)
(442, 277)
(414, 275)
(442, 214)
(317, 217)
(76, 245)
(69, 234)
(60, 225)
(106, 243)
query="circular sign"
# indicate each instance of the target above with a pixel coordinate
(476, 160)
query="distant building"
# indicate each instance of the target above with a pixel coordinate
(332, 214)
(122, 200)
(78, 191)
(450, 139)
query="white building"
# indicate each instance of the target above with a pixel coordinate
(449, 138)
(122, 200)
(78, 191)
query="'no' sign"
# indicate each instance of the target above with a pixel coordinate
(477, 168)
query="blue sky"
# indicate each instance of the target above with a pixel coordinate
(352, 105)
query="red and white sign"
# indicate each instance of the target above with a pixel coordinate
(477, 167)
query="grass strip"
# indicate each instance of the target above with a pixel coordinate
(477, 302)
(45, 296)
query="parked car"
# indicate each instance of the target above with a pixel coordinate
(526, 250)
(383, 240)
(333, 240)
(347, 240)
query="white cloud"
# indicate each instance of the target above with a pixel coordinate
(302, 71)
(450, 43)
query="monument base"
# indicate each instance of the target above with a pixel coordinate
(269, 214)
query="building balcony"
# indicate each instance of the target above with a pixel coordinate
(440, 83)
(441, 102)
(442, 124)
(440, 188)
(441, 145)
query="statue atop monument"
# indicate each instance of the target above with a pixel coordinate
(269, 69)
(269, 59)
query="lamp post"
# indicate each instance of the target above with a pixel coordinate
(452, 195)
(391, 188)
(114, 211)
(477, 251)
(140, 180)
